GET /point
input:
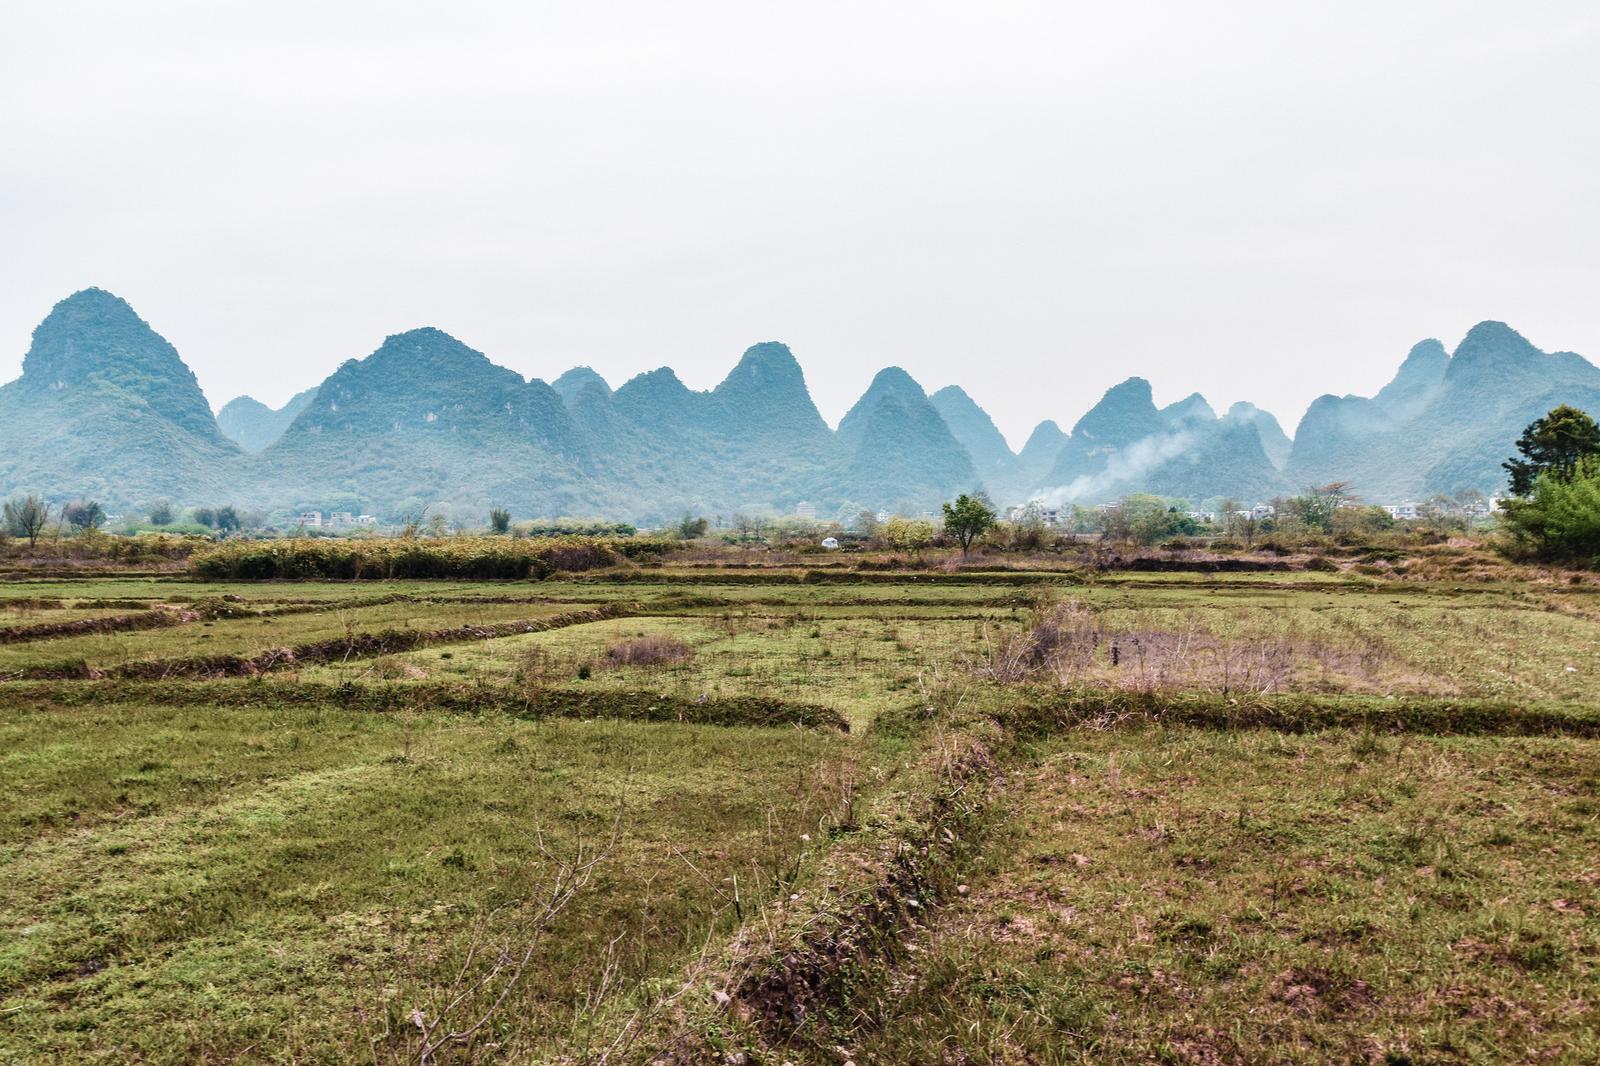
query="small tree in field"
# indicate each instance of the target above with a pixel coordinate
(1316, 506)
(84, 515)
(499, 520)
(161, 513)
(908, 534)
(691, 528)
(967, 519)
(26, 516)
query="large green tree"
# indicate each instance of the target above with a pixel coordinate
(1556, 445)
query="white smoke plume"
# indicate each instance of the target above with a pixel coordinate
(1122, 474)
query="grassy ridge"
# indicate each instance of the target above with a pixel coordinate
(466, 699)
(1043, 712)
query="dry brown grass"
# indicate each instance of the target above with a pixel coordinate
(655, 650)
(1069, 643)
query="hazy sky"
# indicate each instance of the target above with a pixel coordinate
(1261, 201)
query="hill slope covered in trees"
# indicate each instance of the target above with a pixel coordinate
(105, 407)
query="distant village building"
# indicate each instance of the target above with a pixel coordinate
(1263, 510)
(341, 519)
(1050, 516)
(366, 520)
(311, 519)
(1402, 512)
(805, 509)
(882, 517)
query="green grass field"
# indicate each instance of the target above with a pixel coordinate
(1200, 896)
(539, 842)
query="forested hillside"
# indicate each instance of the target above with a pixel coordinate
(106, 408)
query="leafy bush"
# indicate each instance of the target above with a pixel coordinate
(84, 514)
(1144, 520)
(1560, 521)
(407, 557)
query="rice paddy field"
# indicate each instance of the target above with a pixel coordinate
(692, 813)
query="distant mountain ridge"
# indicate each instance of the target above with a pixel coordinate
(1445, 422)
(252, 425)
(106, 407)
(1125, 444)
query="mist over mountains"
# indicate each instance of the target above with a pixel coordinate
(107, 408)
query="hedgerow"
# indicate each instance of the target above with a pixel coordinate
(380, 559)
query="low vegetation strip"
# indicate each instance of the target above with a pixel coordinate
(1155, 564)
(163, 616)
(156, 618)
(352, 646)
(56, 603)
(380, 559)
(774, 991)
(652, 576)
(1043, 713)
(513, 700)
(191, 610)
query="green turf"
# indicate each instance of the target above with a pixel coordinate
(283, 869)
(178, 883)
(1197, 896)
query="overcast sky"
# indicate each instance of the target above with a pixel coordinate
(1263, 201)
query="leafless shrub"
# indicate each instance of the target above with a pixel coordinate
(648, 651)
(1063, 638)
(1067, 642)
(535, 668)
(396, 669)
(578, 557)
